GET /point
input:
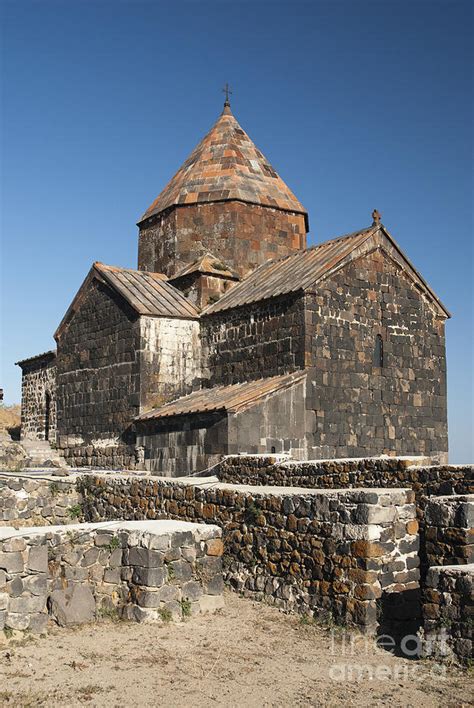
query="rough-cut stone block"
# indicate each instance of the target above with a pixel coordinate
(14, 544)
(27, 604)
(150, 577)
(192, 591)
(145, 598)
(180, 570)
(215, 547)
(38, 623)
(112, 575)
(17, 621)
(145, 557)
(38, 559)
(75, 605)
(12, 562)
(214, 586)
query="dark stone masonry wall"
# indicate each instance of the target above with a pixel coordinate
(360, 408)
(38, 398)
(277, 423)
(184, 444)
(338, 553)
(261, 340)
(448, 611)
(229, 230)
(337, 474)
(426, 481)
(99, 381)
(203, 289)
(449, 530)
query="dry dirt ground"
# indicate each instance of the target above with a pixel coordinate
(10, 418)
(248, 654)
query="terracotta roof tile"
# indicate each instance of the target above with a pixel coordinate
(226, 165)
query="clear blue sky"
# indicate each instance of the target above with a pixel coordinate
(356, 104)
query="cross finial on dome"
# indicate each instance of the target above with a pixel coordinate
(376, 216)
(227, 91)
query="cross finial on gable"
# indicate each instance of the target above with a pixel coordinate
(227, 91)
(376, 216)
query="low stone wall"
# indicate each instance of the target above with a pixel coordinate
(336, 552)
(23, 584)
(26, 500)
(448, 610)
(386, 472)
(145, 571)
(412, 472)
(449, 532)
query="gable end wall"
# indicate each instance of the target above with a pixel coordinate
(99, 381)
(358, 408)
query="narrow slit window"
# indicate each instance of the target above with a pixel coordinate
(378, 351)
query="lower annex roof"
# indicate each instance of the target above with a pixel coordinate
(232, 399)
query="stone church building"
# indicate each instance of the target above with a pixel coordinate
(233, 336)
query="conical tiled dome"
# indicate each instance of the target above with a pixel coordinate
(226, 165)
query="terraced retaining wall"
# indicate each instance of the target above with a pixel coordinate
(336, 552)
(449, 532)
(448, 612)
(145, 571)
(423, 478)
(386, 472)
(28, 500)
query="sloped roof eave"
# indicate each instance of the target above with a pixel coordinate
(162, 299)
(302, 271)
(204, 265)
(150, 215)
(290, 274)
(50, 354)
(427, 287)
(233, 398)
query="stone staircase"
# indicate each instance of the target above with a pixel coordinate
(41, 454)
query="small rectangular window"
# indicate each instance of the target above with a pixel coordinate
(378, 351)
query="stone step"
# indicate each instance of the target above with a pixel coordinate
(40, 451)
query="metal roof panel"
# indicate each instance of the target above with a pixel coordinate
(231, 398)
(297, 271)
(148, 293)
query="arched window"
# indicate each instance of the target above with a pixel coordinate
(378, 351)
